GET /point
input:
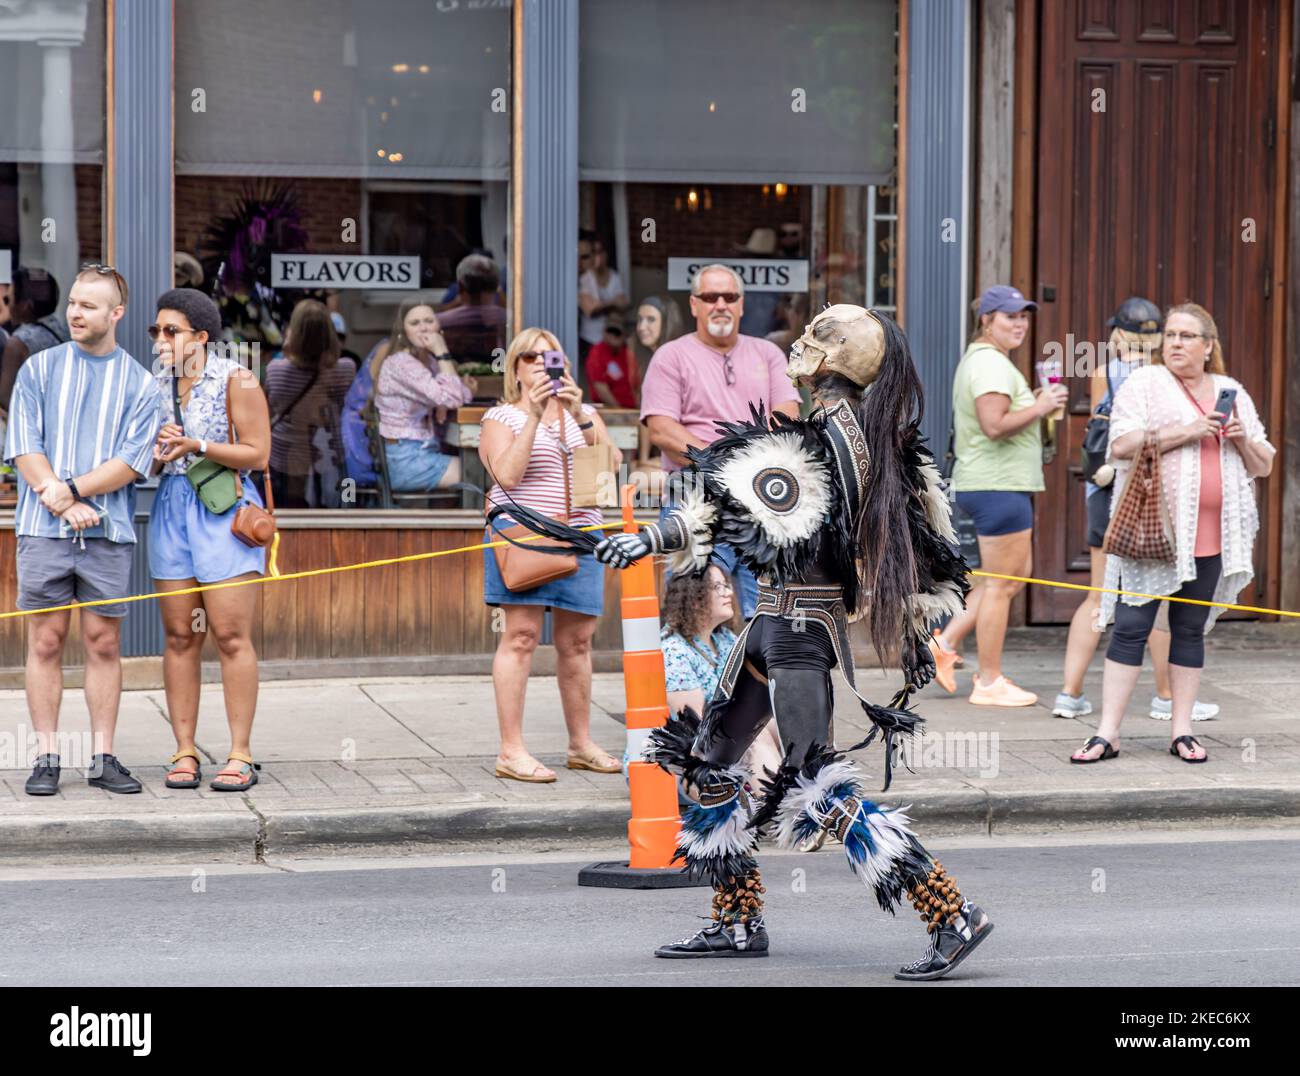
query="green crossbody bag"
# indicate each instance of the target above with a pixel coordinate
(217, 485)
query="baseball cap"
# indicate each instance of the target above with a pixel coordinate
(1136, 315)
(1005, 298)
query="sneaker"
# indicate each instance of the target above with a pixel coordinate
(107, 773)
(949, 946)
(1071, 706)
(44, 780)
(944, 663)
(739, 939)
(1002, 692)
(1163, 710)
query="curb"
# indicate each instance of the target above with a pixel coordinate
(248, 837)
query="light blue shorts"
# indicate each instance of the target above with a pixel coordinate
(186, 541)
(415, 465)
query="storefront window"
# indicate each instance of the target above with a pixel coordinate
(355, 152)
(770, 147)
(52, 135)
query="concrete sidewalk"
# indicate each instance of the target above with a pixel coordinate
(406, 763)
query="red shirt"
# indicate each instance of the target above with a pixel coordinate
(617, 371)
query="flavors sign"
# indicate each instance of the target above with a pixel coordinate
(345, 271)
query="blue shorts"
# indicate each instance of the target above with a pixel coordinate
(998, 512)
(186, 541)
(415, 465)
(582, 592)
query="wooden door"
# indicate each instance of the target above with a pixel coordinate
(1156, 123)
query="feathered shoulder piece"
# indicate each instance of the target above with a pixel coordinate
(775, 491)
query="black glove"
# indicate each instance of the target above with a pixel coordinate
(621, 550)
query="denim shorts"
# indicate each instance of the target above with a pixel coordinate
(582, 592)
(60, 571)
(998, 512)
(1099, 515)
(186, 541)
(415, 465)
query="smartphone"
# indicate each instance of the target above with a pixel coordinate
(553, 364)
(1224, 404)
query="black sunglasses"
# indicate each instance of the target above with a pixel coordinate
(712, 297)
(106, 270)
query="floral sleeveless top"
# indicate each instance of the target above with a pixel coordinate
(205, 409)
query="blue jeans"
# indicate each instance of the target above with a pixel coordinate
(726, 558)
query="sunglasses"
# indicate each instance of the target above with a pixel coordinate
(529, 356)
(106, 270)
(169, 331)
(712, 297)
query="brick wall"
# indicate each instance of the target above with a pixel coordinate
(324, 203)
(736, 211)
(90, 211)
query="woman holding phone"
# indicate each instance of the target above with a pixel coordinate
(1213, 448)
(417, 384)
(527, 446)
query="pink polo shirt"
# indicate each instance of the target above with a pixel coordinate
(687, 382)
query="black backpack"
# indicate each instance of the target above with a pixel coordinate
(1096, 437)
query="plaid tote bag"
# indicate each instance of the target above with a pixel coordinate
(1140, 527)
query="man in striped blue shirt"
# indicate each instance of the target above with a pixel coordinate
(83, 420)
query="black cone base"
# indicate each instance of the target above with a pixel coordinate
(618, 875)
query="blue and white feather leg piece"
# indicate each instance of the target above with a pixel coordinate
(878, 843)
(716, 841)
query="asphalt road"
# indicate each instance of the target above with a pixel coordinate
(1196, 909)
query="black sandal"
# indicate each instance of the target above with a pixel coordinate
(1192, 742)
(1110, 752)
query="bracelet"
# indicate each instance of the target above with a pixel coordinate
(586, 425)
(70, 482)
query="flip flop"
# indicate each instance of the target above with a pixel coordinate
(178, 778)
(505, 768)
(1192, 742)
(1109, 752)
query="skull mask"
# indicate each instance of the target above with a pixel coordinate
(842, 339)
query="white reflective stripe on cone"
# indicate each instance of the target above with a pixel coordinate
(641, 633)
(637, 739)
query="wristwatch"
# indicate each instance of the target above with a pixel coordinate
(203, 448)
(586, 425)
(70, 482)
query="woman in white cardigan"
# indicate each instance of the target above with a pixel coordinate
(1208, 467)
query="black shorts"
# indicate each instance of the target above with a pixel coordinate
(1098, 516)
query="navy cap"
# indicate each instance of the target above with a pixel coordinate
(1005, 298)
(1136, 315)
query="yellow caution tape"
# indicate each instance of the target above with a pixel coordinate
(281, 578)
(277, 577)
(1133, 594)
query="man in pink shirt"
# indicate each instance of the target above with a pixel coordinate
(713, 375)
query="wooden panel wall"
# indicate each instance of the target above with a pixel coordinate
(426, 607)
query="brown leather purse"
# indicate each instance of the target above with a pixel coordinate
(253, 525)
(1140, 528)
(526, 569)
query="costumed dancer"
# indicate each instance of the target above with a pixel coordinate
(841, 516)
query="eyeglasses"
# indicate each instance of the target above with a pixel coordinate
(721, 588)
(1183, 338)
(712, 297)
(169, 331)
(529, 356)
(106, 270)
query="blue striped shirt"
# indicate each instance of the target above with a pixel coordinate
(79, 411)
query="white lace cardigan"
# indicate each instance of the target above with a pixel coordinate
(1152, 398)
